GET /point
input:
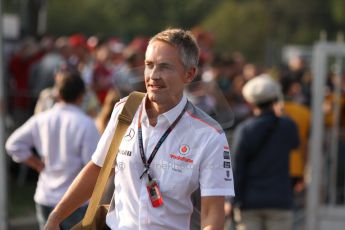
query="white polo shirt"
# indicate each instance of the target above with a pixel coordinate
(195, 153)
(65, 138)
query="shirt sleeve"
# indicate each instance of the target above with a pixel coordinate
(216, 178)
(19, 144)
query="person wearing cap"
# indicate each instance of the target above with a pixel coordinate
(261, 147)
(64, 139)
(170, 149)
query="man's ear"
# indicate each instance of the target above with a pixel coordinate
(190, 75)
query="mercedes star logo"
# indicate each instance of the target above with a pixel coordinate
(130, 134)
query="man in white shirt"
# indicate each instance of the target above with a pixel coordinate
(170, 149)
(65, 139)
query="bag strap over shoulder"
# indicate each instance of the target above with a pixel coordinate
(124, 120)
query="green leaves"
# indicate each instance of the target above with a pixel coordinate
(125, 18)
(338, 11)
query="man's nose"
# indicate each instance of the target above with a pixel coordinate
(154, 73)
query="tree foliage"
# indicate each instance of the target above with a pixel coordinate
(237, 27)
(338, 12)
(249, 26)
(125, 18)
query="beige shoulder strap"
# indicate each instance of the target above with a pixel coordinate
(124, 120)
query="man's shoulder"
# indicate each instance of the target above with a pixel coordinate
(288, 122)
(121, 103)
(48, 93)
(118, 107)
(64, 111)
(249, 122)
(296, 107)
(247, 126)
(202, 119)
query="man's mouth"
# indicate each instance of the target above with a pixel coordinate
(155, 87)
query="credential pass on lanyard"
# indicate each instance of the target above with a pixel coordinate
(152, 185)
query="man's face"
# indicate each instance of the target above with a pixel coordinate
(165, 74)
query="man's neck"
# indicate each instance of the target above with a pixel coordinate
(154, 109)
(276, 110)
(69, 103)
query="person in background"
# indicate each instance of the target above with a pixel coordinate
(191, 151)
(49, 96)
(261, 147)
(104, 115)
(101, 122)
(42, 72)
(64, 138)
(301, 115)
(19, 68)
(101, 72)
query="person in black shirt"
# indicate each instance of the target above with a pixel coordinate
(261, 148)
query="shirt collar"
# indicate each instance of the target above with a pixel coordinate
(170, 115)
(63, 105)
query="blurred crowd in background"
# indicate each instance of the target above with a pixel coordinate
(111, 66)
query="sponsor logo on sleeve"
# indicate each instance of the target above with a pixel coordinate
(228, 176)
(226, 155)
(227, 164)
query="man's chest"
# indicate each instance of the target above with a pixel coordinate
(175, 164)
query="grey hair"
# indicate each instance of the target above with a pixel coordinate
(184, 41)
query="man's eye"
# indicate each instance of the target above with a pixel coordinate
(149, 65)
(165, 66)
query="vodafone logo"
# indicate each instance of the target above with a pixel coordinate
(179, 158)
(184, 149)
